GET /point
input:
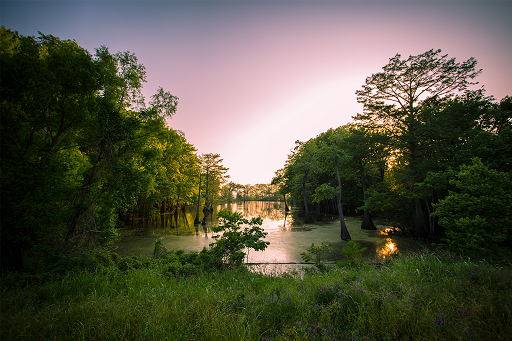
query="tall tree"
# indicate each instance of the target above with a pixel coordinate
(213, 174)
(123, 125)
(280, 181)
(393, 99)
(339, 156)
(300, 166)
(48, 99)
(368, 156)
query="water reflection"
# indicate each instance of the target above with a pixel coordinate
(387, 248)
(180, 232)
(287, 234)
(181, 222)
(270, 212)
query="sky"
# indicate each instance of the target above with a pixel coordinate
(252, 77)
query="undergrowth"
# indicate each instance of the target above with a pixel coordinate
(427, 296)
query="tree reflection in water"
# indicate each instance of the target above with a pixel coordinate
(288, 235)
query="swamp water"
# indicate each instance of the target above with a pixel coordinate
(287, 234)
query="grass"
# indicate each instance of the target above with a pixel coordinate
(426, 296)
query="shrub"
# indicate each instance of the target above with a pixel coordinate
(353, 253)
(230, 245)
(160, 250)
(316, 253)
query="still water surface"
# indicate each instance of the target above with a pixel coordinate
(287, 234)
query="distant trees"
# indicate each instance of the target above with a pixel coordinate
(259, 192)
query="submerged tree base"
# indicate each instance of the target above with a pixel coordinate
(367, 223)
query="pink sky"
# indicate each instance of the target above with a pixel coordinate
(253, 77)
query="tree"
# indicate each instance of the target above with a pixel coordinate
(368, 150)
(338, 156)
(123, 131)
(238, 233)
(477, 214)
(212, 176)
(301, 164)
(282, 187)
(227, 191)
(175, 165)
(454, 131)
(49, 91)
(393, 99)
(79, 144)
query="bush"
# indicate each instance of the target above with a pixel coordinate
(160, 250)
(230, 245)
(353, 253)
(316, 253)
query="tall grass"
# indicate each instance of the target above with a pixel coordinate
(427, 296)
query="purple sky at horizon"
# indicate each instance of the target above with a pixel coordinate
(253, 77)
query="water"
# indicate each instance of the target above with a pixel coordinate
(287, 234)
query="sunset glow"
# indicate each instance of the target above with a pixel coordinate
(253, 77)
(387, 249)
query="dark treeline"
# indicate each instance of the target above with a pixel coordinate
(428, 155)
(83, 152)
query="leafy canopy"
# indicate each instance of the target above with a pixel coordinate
(477, 215)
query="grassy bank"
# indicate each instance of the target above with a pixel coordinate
(421, 297)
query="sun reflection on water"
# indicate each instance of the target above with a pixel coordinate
(387, 249)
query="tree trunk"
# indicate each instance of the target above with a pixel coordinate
(344, 232)
(367, 223)
(431, 221)
(420, 225)
(196, 220)
(206, 199)
(286, 208)
(318, 216)
(82, 206)
(419, 218)
(205, 214)
(307, 219)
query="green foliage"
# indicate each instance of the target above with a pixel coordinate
(238, 234)
(324, 192)
(80, 146)
(317, 254)
(353, 252)
(212, 174)
(159, 250)
(477, 215)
